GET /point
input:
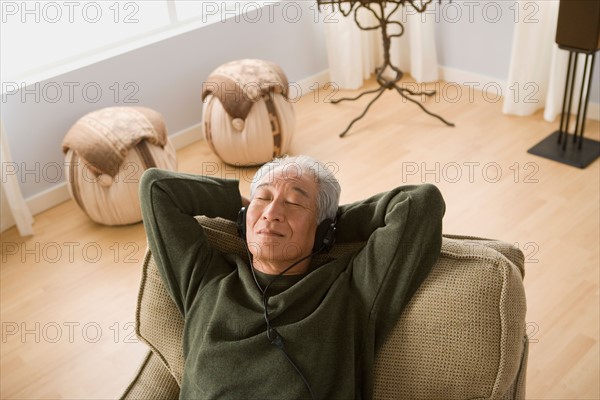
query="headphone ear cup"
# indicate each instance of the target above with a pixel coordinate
(329, 239)
(325, 236)
(241, 223)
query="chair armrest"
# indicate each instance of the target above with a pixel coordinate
(152, 382)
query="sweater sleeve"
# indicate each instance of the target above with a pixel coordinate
(403, 230)
(169, 203)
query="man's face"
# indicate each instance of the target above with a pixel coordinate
(281, 220)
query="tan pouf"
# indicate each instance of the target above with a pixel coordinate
(247, 117)
(106, 153)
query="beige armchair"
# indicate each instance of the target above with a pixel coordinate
(462, 336)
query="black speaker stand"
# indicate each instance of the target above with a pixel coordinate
(572, 149)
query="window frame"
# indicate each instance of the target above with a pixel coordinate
(176, 26)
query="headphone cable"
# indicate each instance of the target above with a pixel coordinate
(272, 335)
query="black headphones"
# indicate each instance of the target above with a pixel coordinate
(324, 237)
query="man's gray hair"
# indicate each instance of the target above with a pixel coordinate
(328, 198)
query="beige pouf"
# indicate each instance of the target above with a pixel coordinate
(247, 116)
(106, 153)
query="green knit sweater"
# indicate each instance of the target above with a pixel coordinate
(332, 319)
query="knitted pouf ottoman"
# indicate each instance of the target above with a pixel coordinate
(106, 153)
(247, 117)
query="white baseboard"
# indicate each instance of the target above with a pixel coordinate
(309, 84)
(490, 86)
(478, 82)
(187, 136)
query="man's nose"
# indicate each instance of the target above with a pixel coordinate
(274, 211)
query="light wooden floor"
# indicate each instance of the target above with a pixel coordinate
(68, 293)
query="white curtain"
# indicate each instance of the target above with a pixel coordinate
(354, 53)
(415, 52)
(538, 68)
(11, 192)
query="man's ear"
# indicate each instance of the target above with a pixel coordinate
(245, 202)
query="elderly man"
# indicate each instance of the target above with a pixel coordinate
(275, 325)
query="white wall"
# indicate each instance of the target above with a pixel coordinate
(477, 36)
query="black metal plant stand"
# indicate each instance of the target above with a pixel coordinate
(582, 151)
(377, 8)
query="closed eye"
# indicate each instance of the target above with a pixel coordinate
(295, 204)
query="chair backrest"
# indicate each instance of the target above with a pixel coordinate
(462, 335)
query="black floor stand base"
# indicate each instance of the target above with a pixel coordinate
(572, 155)
(389, 85)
